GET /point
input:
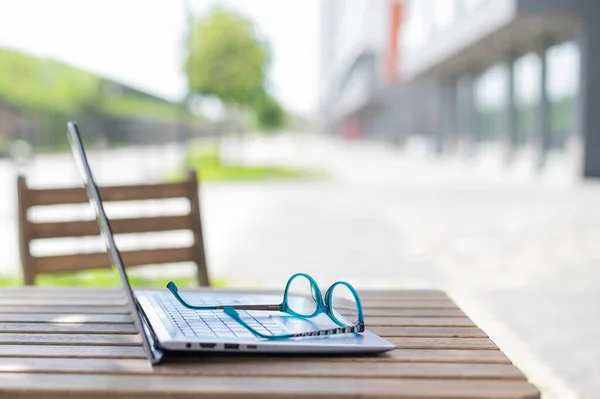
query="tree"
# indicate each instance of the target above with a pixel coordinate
(227, 59)
(270, 115)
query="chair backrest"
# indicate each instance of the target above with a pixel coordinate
(29, 230)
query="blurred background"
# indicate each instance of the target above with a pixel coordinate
(451, 144)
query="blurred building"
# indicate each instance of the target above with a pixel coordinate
(11, 122)
(359, 47)
(517, 81)
(38, 95)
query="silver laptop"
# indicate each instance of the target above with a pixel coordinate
(164, 324)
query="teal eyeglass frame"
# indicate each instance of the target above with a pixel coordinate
(324, 305)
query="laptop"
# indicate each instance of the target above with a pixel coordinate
(165, 325)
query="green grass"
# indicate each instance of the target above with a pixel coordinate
(204, 159)
(103, 278)
(31, 83)
(128, 105)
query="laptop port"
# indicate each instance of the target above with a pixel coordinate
(207, 345)
(188, 345)
(251, 347)
(232, 346)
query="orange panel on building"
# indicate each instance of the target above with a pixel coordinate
(391, 65)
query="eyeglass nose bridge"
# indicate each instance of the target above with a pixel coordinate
(315, 291)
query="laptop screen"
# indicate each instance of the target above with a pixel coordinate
(96, 202)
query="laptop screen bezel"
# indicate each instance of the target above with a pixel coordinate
(78, 150)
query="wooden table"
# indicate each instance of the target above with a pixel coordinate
(64, 343)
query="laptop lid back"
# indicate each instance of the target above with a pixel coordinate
(93, 193)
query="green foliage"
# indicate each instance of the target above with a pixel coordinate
(204, 159)
(104, 278)
(32, 82)
(128, 105)
(40, 87)
(270, 115)
(227, 60)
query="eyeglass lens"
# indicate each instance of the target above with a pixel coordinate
(344, 309)
(300, 286)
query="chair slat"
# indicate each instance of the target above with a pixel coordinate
(70, 263)
(59, 196)
(119, 226)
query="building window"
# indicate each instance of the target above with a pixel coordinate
(562, 86)
(491, 101)
(527, 95)
(463, 107)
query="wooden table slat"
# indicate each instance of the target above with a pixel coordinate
(61, 301)
(53, 386)
(65, 309)
(407, 304)
(87, 291)
(441, 332)
(419, 321)
(97, 329)
(448, 355)
(442, 343)
(405, 355)
(395, 293)
(64, 328)
(59, 292)
(258, 367)
(69, 339)
(411, 312)
(80, 318)
(71, 351)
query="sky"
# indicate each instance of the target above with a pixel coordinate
(140, 42)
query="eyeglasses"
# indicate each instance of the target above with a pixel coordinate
(340, 299)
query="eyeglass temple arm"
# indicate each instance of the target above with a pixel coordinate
(252, 307)
(359, 327)
(230, 311)
(173, 288)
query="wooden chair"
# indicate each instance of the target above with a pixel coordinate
(29, 231)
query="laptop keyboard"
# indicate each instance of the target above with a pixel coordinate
(215, 323)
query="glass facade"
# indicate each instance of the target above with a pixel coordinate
(482, 104)
(539, 119)
(464, 96)
(490, 102)
(562, 86)
(527, 70)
